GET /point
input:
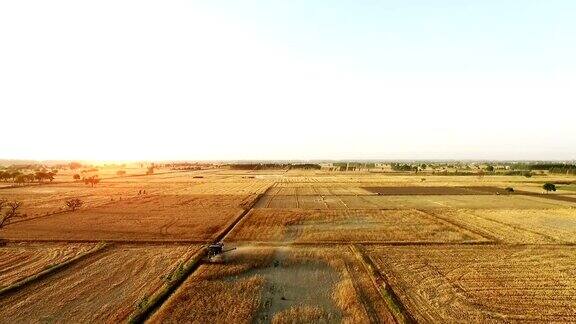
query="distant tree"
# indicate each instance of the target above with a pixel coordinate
(40, 176)
(14, 175)
(528, 174)
(20, 179)
(480, 174)
(423, 166)
(490, 168)
(11, 212)
(76, 176)
(549, 187)
(120, 173)
(30, 177)
(75, 165)
(509, 190)
(92, 181)
(74, 204)
(50, 176)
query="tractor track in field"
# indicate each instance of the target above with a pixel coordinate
(382, 285)
(366, 305)
(162, 296)
(557, 197)
(484, 234)
(15, 287)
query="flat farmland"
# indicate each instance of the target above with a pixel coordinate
(162, 207)
(311, 246)
(148, 218)
(466, 201)
(51, 198)
(408, 201)
(353, 226)
(558, 224)
(277, 285)
(39, 200)
(105, 287)
(497, 231)
(482, 283)
(21, 260)
(432, 190)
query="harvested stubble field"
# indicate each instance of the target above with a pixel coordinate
(278, 285)
(105, 287)
(407, 201)
(48, 198)
(345, 226)
(496, 231)
(447, 283)
(169, 210)
(432, 190)
(148, 218)
(312, 246)
(557, 224)
(19, 261)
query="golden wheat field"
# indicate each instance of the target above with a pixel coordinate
(533, 283)
(299, 246)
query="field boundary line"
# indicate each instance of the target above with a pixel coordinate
(516, 227)
(383, 243)
(485, 235)
(274, 185)
(396, 244)
(118, 241)
(297, 200)
(382, 285)
(163, 294)
(372, 315)
(557, 197)
(45, 273)
(321, 197)
(242, 215)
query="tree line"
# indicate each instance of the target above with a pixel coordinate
(20, 177)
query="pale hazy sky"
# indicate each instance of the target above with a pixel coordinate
(118, 79)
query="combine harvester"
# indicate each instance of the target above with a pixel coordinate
(216, 251)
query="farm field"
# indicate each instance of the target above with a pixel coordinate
(147, 218)
(278, 285)
(105, 287)
(558, 224)
(20, 261)
(174, 208)
(482, 283)
(300, 246)
(407, 201)
(349, 226)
